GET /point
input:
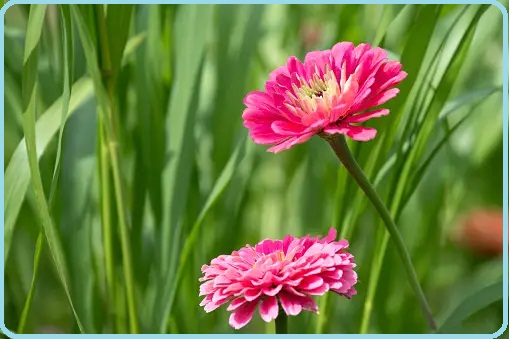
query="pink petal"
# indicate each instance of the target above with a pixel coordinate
(320, 290)
(330, 236)
(293, 305)
(272, 291)
(207, 288)
(206, 300)
(254, 98)
(294, 65)
(359, 133)
(310, 283)
(269, 309)
(287, 128)
(243, 314)
(342, 51)
(379, 99)
(275, 73)
(315, 249)
(252, 294)
(212, 305)
(317, 61)
(291, 142)
(265, 137)
(236, 304)
(338, 111)
(366, 116)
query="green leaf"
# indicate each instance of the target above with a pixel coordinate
(389, 13)
(17, 173)
(28, 302)
(471, 305)
(189, 49)
(118, 20)
(79, 227)
(68, 43)
(222, 182)
(29, 90)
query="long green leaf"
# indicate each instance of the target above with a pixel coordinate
(68, 43)
(29, 90)
(471, 305)
(397, 203)
(17, 173)
(28, 303)
(189, 49)
(219, 187)
(118, 20)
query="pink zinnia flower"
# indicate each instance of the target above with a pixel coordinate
(285, 272)
(331, 92)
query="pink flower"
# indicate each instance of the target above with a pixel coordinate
(285, 272)
(330, 93)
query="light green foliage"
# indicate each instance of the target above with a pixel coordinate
(125, 151)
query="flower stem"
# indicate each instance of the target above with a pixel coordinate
(340, 147)
(114, 161)
(282, 323)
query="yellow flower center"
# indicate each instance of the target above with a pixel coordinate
(317, 94)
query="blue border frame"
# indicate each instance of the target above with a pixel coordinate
(505, 91)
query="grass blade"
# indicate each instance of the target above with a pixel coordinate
(29, 90)
(397, 203)
(471, 305)
(17, 173)
(189, 49)
(28, 303)
(219, 187)
(68, 43)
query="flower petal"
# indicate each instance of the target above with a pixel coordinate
(291, 142)
(293, 304)
(243, 314)
(236, 304)
(287, 128)
(311, 283)
(359, 133)
(269, 309)
(366, 116)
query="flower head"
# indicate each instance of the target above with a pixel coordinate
(331, 92)
(274, 272)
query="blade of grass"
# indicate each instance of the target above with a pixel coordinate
(389, 13)
(397, 203)
(219, 187)
(68, 72)
(418, 174)
(66, 96)
(118, 21)
(28, 303)
(471, 305)
(29, 93)
(236, 53)
(189, 50)
(110, 58)
(89, 21)
(106, 219)
(17, 173)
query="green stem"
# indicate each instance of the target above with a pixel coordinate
(340, 147)
(104, 171)
(30, 297)
(282, 323)
(112, 142)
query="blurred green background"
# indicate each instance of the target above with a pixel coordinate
(146, 172)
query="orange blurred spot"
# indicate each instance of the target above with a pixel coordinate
(481, 231)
